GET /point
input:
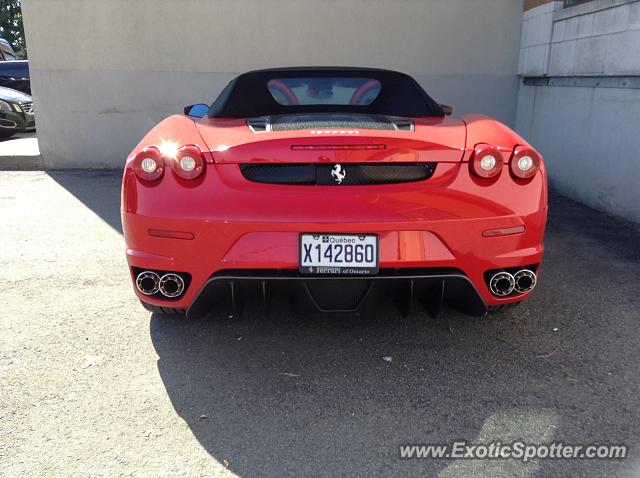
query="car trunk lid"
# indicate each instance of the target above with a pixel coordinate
(334, 138)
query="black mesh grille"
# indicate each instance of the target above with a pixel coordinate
(348, 174)
(295, 124)
(328, 121)
(304, 174)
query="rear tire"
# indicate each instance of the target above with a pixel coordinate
(156, 309)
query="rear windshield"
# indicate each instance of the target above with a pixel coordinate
(304, 90)
(324, 91)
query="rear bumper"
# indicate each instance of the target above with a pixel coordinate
(218, 248)
(253, 229)
(13, 121)
(227, 292)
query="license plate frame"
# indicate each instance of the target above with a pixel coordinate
(353, 267)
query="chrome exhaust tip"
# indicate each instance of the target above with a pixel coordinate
(502, 284)
(171, 285)
(148, 282)
(525, 281)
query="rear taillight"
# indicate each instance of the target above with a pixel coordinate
(524, 162)
(148, 164)
(188, 162)
(486, 161)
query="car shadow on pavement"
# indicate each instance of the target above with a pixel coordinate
(287, 395)
(98, 190)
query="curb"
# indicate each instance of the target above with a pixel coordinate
(22, 163)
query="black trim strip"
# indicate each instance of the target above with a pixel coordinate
(631, 82)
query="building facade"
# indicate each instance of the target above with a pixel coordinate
(105, 72)
(564, 73)
(579, 100)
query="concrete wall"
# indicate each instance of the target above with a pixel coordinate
(585, 120)
(537, 24)
(104, 72)
(601, 37)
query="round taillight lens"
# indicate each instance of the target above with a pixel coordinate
(189, 162)
(486, 161)
(148, 164)
(524, 162)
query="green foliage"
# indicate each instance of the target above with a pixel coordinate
(11, 28)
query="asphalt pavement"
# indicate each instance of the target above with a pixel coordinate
(93, 385)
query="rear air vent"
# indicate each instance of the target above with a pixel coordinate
(335, 122)
(345, 174)
(403, 124)
(259, 125)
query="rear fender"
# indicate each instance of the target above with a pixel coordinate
(176, 131)
(170, 134)
(482, 129)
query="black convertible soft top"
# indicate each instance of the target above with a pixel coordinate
(247, 95)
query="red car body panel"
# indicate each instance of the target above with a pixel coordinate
(436, 139)
(241, 225)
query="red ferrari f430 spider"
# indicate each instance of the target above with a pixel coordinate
(337, 187)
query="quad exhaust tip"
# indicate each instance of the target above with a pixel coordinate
(502, 284)
(148, 282)
(525, 281)
(171, 285)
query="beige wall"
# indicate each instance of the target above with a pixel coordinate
(103, 72)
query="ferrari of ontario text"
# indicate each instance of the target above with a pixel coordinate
(333, 189)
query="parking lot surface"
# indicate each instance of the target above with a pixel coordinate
(92, 384)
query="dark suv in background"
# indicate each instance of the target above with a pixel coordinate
(13, 73)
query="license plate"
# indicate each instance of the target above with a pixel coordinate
(339, 254)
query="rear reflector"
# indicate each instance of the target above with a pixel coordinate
(507, 231)
(172, 234)
(338, 147)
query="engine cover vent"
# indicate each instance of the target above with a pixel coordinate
(321, 121)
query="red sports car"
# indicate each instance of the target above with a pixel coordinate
(338, 188)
